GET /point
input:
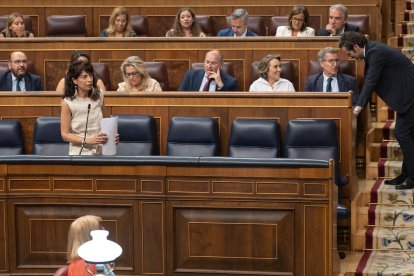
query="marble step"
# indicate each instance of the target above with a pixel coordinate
(391, 169)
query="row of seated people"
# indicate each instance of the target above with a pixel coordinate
(249, 138)
(187, 23)
(134, 70)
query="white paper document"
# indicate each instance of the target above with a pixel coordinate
(109, 126)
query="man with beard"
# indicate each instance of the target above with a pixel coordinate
(17, 78)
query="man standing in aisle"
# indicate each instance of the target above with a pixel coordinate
(391, 75)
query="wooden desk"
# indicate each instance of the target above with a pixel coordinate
(205, 217)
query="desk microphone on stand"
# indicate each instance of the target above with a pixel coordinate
(86, 129)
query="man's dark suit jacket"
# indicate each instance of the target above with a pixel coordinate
(345, 83)
(348, 27)
(390, 74)
(32, 82)
(229, 32)
(193, 78)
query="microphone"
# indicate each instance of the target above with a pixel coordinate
(86, 129)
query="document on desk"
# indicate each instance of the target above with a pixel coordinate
(109, 126)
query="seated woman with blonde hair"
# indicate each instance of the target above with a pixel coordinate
(298, 23)
(136, 77)
(119, 24)
(270, 80)
(15, 27)
(79, 233)
(185, 25)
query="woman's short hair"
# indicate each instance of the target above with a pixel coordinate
(297, 10)
(79, 233)
(263, 67)
(178, 29)
(115, 13)
(137, 63)
(75, 70)
(10, 21)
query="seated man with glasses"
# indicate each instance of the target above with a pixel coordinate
(330, 79)
(17, 78)
(136, 77)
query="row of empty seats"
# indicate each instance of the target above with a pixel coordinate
(195, 136)
(158, 71)
(75, 26)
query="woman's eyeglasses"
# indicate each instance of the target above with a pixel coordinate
(131, 75)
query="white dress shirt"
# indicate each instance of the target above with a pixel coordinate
(285, 31)
(334, 83)
(261, 85)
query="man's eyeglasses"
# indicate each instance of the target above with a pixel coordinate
(131, 75)
(332, 61)
(18, 62)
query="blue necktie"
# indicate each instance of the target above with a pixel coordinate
(18, 84)
(329, 85)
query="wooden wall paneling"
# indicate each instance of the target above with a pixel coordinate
(38, 236)
(3, 234)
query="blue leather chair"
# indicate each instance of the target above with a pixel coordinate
(137, 135)
(254, 138)
(193, 136)
(47, 139)
(11, 138)
(316, 139)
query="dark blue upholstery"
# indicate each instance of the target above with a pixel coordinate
(315, 139)
(11, 138)
(47, 139)
(254, 138)
(193, 136)
(136, 135)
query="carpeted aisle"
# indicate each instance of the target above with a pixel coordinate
(389, 237)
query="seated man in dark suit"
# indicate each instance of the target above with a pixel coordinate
(17, 78)
(211, 78)
(338, 14)
(238, 25)
(330, 80)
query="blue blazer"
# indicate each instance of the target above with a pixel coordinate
(345, 83)
(32, 82)
(348, 27)
(229, 32)
(193, 79)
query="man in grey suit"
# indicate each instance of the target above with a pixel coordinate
(330, 79)
(17, 78)
(391, 75)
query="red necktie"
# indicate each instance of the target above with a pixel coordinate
(207, 85)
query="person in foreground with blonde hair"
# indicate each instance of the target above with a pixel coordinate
(136, 77)
(79, 233)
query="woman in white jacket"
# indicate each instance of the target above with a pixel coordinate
(297, 24)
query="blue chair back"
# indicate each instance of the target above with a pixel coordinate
(254, 138)
(11, 138)
(193, 136)
(47, 139)
(136, 135)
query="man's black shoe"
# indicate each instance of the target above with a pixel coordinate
(407, 184)
(396, 180)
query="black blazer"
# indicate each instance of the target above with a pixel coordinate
(193, 79)
(348, 27)
(345, 83)
(390, 74)
(32, 82)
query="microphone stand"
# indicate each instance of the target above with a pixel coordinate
(86, 129)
